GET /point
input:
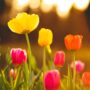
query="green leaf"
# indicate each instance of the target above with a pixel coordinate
(26, 73)
(31, 78)
(5, 83)
(36, 78)
(8, 57)
(51, 65)
(39, 83)
(33, 62)
(18, 78)
(63, 83)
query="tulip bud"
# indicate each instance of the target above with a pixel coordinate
(12, 74)
(79, 66)
(59, 58)
(45, 37)
(52, 80)
(18, 56)
(86, 78)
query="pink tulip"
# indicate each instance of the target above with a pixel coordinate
(18, 56)
(59, 58)
(52, 80)
(79, 66)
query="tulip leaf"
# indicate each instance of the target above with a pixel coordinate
(17, 80)
(26, 73)
(30, 78)
(33, 63)
(5, 83)
(39, 83)
(8, 58)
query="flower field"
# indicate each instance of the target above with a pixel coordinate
(22, 72)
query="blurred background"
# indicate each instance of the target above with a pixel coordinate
(61, 16)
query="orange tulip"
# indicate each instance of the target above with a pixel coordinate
(73, 42)
(86, 78)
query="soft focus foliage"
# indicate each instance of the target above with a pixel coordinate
(22, 72)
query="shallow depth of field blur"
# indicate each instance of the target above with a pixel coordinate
(61, 16)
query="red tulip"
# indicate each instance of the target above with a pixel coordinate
(52, 80)
(59, 58)
(79, 66)
(18, 56)
(73, 42)
(86, 78)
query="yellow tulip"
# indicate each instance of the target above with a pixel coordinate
(24, 23)
(45, 37)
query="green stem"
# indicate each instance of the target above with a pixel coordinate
(17, 77)
(27, 88)
(69, 86)
(28, 41)
(44, 60)
(11, 81)
(51, 64)
(29, 49)
(74, 71)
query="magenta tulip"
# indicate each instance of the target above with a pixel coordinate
(52, 80)
(18, 56)
(59, 59)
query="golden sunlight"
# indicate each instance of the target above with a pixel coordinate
(47, 5)
(20, 4)
(81, 4)
(63, 8)
(34, 4)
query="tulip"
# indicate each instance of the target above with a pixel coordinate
(52, 80)
(45, 37)
(12, 74)
(23, 23)
(79, 66)
(59, 58)
(73, 42)
(18, 56)
(86, 78)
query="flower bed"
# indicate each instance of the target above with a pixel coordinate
(22, 73)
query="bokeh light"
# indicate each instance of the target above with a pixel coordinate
(20, 4)
(81, 5)
(47, 5)
(34, 4)
(63, 7)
